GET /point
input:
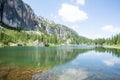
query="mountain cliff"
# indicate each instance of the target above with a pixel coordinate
(15, 13)
(18, 15)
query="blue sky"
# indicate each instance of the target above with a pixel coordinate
(89, 18)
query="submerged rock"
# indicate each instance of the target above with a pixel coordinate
(17, 73)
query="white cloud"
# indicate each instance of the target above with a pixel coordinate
(81, 2)
(112, 62)
(73, 74)
(71, 13)
(110, 28)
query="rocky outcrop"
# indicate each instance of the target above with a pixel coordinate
(52, 28)
(15, 13)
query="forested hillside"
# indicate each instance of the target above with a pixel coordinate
(19, 24)
(114, 40)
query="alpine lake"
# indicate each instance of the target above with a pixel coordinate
(80, 62)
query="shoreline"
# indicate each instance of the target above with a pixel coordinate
(111, 46)
(30, 45)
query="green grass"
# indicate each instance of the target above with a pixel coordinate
(8, 36)
(13, 36)
(112, 46)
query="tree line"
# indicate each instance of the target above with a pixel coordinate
(114, 40)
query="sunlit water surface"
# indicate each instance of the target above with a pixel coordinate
(65, 62)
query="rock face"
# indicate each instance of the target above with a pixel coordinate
(52, 28)
(15, 13)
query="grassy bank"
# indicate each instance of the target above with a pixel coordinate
(9, 37)
(112, 46)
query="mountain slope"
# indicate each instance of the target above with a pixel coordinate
(18, 15)
(15, 13)
(62, 32)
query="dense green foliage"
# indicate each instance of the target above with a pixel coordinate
(114, 40)
(8, 36)
(12, 36)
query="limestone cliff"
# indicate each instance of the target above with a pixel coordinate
(15, 13)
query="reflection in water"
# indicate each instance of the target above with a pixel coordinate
(63, 74)
(94, 64)
(21, 63)
(65, 71)
(73, 74)
(115, 52)
(112, 62)
(38, 56)
(65, 63)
